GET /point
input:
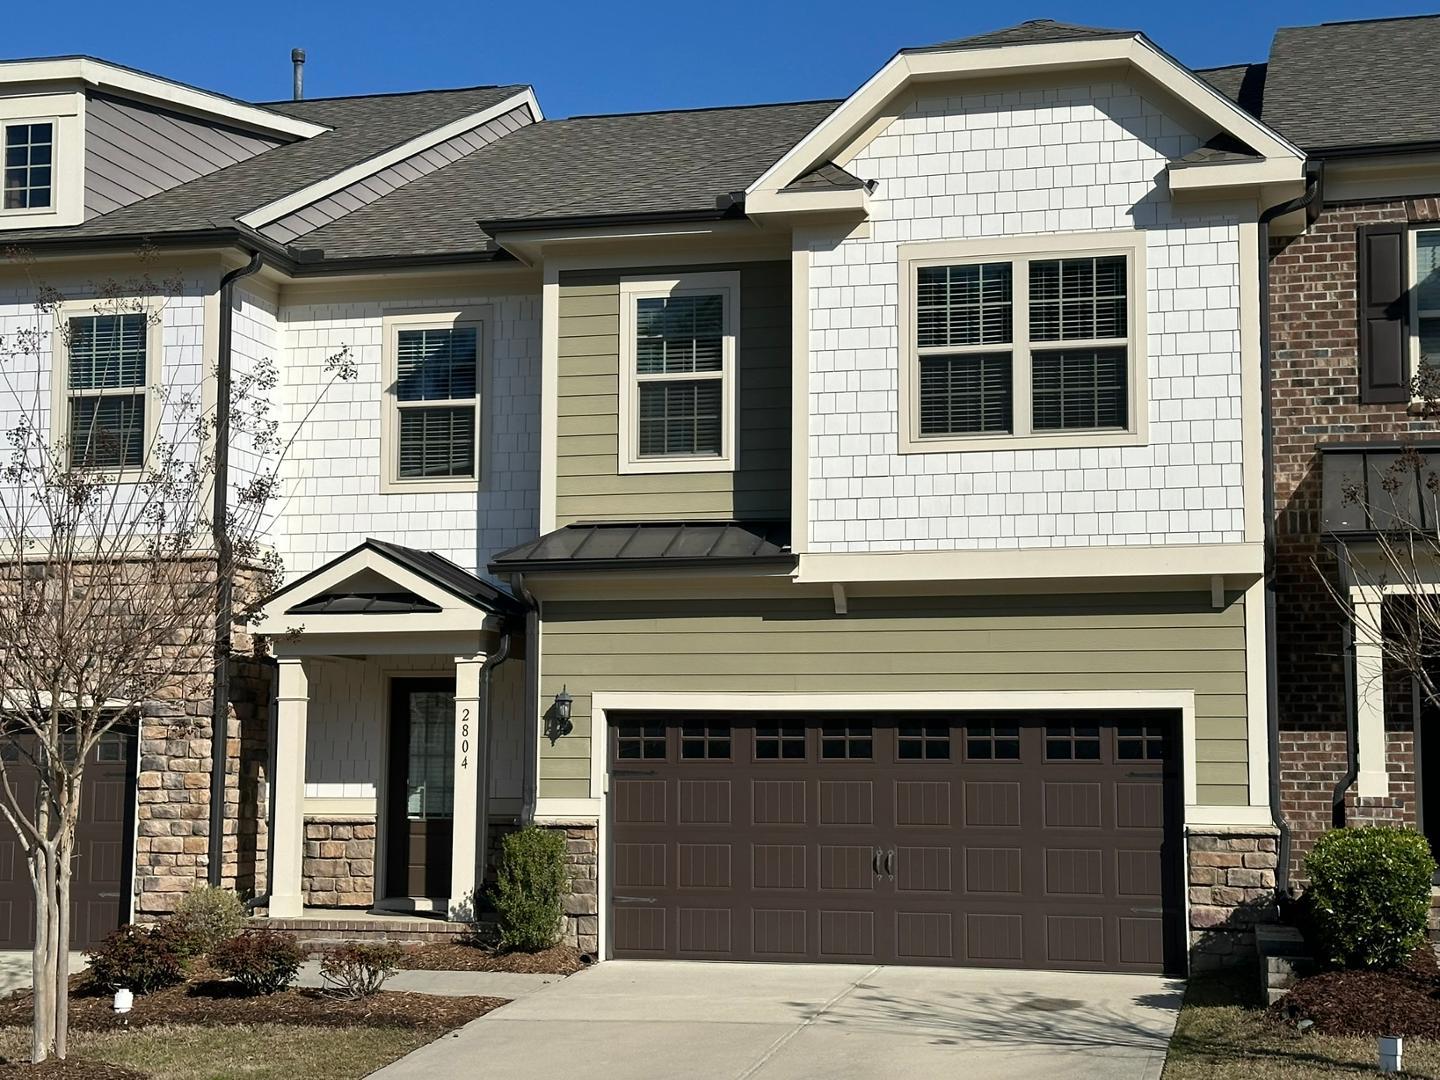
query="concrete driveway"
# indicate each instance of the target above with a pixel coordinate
(653, 1019)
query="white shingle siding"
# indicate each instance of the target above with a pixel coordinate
(255, 339)
(1072, 159)
(333, 495)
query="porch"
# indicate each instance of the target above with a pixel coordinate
(398, 741)
(318, 927)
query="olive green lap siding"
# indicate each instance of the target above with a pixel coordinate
(588, 482)
(1098, 642)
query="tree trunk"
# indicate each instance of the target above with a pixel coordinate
(62, 946)
(41, 1023)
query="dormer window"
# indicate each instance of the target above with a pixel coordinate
(29, 159)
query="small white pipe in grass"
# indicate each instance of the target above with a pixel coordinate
(124, 1001)
(1391, 1048)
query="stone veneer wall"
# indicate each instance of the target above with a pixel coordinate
(1315, 400)
(582, 906)
(1231, 889)
(339, 864)
(173, 801)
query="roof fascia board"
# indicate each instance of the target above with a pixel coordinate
(272, 211)
(103, 76)
(838, 129)
(1212, 175)
(714, 240)
(854, 201)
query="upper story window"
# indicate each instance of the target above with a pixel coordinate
(1427, 297)
(108, 362)
(433, 374)
(1031, 342)
(29, 147)
(677, 360)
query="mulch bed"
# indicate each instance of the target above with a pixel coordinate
(560, 960)
(212, 1002)
(72, 1069)
(1401, 1002)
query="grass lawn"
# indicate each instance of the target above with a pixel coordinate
(1223, 1035)
(258, 1052)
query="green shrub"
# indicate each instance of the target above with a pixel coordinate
(357, 970)
(141, 959)
(209, 917)
(1369, 895)
(530, 889)
(261, 961)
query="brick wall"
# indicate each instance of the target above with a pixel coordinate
(1316, 400)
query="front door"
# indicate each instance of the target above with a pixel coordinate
(422, 787)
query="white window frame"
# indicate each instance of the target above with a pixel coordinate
(154, 369)
(633, 289)
(1412, 269)
(31, 211)
(67, 161)
(1020, 252)
(391, 324)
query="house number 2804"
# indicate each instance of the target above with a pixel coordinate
(464, 738)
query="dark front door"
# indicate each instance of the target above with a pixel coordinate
(422, 787)
(101, 865)
(1046, 841)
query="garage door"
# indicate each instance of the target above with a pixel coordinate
(101, 865)
(1038, 841)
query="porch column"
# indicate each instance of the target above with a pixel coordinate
(1373, 780)
(287, 844)
(470, 766)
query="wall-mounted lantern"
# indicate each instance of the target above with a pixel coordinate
(557, 719)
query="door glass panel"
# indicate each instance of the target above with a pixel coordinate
(430, 771)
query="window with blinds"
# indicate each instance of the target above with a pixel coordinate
(961, 314)
(679, 366)
(1060, 363)
(1427, 296)
(106, 388)
(437, 377)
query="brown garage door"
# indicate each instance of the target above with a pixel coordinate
(101, 865)
(1038, 841)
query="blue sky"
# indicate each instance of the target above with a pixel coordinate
(617, 56)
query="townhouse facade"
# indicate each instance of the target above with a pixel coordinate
(851, 530)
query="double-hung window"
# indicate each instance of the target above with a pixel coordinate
(434, 366)
(1426, 297)
(1035, 342)
(677, 359)
(104, 385)
(28, 168)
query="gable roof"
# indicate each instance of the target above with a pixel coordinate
(1032, 32)
(630, 166)
(359, 128)
(1349, 85)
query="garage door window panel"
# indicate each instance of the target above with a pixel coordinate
(847, 742)
(704, 741)
(992, 742)
(1071, 742)
(780, 742)
(929, 741)
(640, 742)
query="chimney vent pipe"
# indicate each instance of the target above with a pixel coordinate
(297, 57)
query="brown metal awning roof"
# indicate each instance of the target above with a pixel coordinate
(656, 545)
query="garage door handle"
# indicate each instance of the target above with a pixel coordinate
(1147, 910)
(875, 862)
(890, 862)
(632, 772)
(634, 899)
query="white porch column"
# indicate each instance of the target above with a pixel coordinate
(287, 845)
(1373, 780)
(470, 766)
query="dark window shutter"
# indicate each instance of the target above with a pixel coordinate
(1383, 293)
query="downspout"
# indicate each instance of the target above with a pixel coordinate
(224, 575)
(1267, 450)
(529, 773)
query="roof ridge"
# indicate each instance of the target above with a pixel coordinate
(389, 93)
(694, 109)
(1376, 19)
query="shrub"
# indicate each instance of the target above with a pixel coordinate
(208, 917)
(1369, 895)
(141, 959)
(261, 961)
(357, 970)
(530, 889)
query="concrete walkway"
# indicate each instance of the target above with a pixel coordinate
(503, 984)
(654, 1020)
(15, 969)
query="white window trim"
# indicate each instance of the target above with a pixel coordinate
(32, 211)
(1412, 271)
(633, 289)
(67, 160)
(1130, 243)
(482, 318)
(154, 373)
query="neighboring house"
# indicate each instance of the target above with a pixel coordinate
(846, 520)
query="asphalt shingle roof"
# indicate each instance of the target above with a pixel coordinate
(1355, 84)
(654, 543)
(1033, 32)
(590, 166)
(362, 127)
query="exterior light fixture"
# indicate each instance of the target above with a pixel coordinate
(557, 721)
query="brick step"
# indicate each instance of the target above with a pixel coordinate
(319, 932)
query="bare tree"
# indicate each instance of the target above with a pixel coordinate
(1397, 501)
(110, 573)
